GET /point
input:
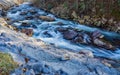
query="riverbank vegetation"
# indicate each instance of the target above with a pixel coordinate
(104, 14)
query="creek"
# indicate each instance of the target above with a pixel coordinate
(47, 30)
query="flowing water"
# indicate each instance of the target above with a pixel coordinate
(55, 37)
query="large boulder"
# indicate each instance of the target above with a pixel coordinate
(70, 34)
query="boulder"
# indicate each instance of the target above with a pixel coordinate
(82, 38)
(70, 34)
(61, 29)
(28, 32)
(99, 40)
(103, 43)
(97, 34)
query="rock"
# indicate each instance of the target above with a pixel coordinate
(110, 21)
(97, 34)
(74, 14)
(82, 38)
(65, 57)
(99, 40)
(47, 18)
(87, 53)
(82, 21)
(99, 23)
(78, 39)
(103, 43)
(106, 63)
(62, 29)
(104, 20)
(86, 17)
(28, 32)
(70, 34)
(59, 23)
(25, 23)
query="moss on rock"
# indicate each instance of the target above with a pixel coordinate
(6, 64)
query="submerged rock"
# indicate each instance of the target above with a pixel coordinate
(61, 29)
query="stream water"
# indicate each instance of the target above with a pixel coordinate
(55, 37)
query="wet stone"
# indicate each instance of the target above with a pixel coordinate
(83, 38)
(70, 34)
(28, 32)
(62, 29)
(104, 44)
(46, 18)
